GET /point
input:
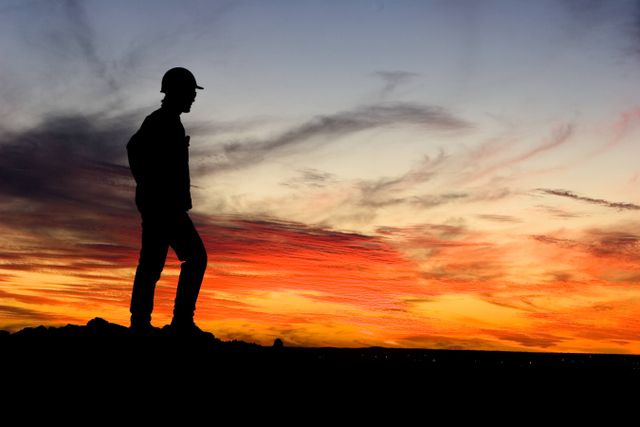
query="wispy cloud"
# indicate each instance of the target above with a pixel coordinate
(79, 35)
(310, 178)
(535, 340)
(557, 212)
(627, 122)
(560, 135)
(617, 244)
(324, 129)
(600, 202)
(389, 190)
(25, 313)
(73, 56)
(499, 218)
(621, 244)
(393, 79)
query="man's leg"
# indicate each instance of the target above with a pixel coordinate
(153, 255)
(189, 248)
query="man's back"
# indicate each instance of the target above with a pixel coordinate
(159, 161)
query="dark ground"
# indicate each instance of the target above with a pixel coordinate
(101, 344)
(101, 357)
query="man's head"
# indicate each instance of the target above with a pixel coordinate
(179, 85)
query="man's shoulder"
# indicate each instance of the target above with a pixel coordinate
(156, 118)
(151, 125)
(162, 120)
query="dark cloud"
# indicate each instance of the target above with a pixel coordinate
(66, 197)
(323, 129)
(613, 243)
(72, 161)
(619, 244)
(280, 236)
(393, 79)
(601, 202)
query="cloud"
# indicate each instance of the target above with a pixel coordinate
(27, 299)
(562, 242)
(531, 339)
(22, 316)
(613, 243)
(310, 179)
(323, 129)
(401, 189)
(618, 244)
(558, 213)
(66, 169)
(443, 232)
(388, 191)
(627, 122)
(68, 51)
(66, 172)
(560, 135)
(450, 343)
(601, 202)
(499, 218)
(393, 79)
(66, 203)
(67, 44)
(78, 33)
(424, 170)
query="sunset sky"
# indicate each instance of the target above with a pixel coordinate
(444, 174)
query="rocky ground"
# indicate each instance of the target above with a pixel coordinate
(107, 356)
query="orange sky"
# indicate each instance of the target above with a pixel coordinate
(314, 287)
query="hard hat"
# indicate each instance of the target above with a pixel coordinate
(178, 79)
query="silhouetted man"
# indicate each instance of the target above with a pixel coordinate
(159, 161)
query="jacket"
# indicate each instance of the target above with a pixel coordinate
(159, 160)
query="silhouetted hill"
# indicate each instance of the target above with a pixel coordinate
(102, 368)
(106, 353)
(104, 341)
